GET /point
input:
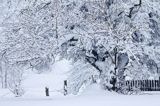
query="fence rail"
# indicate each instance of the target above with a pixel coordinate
(144, 85)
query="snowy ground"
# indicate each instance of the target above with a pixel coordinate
(92, 96)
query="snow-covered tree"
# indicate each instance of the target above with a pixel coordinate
(28, 41)
(109, 36)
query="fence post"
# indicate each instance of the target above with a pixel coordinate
(130, 85)
(65, 88)
(142, 87)
(47, 91)
(159, 84)
(150, 81)
(133, 84)
(155, 85)
(152, 85)
(145, 85)
(138, 83)
(141, 83)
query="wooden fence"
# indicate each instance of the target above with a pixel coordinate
(144, 85)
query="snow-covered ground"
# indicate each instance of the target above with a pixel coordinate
(34, 85)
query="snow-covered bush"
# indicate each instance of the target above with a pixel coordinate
(81, 75)
(15, 78)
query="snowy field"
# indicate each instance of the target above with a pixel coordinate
(91, 97)
(34, 85)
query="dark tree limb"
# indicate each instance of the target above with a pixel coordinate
(93, 63)
(132, 8)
